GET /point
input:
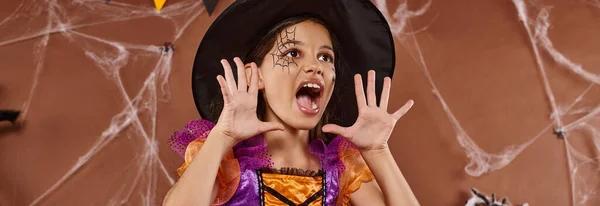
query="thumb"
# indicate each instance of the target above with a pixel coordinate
(335, 129)
(269, 126)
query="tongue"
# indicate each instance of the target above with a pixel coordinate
(304, 101)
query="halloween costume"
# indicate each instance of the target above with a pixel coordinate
(246, 176)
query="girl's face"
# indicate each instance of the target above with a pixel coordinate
(297, 76)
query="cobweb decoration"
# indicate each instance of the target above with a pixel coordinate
(583, 166)
(43, 18)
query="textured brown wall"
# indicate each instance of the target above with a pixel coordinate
(479, 55)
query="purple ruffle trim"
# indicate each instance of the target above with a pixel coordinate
(179, 140)
(251, 153)
(329, 154)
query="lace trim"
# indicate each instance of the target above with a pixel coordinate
(293, 171)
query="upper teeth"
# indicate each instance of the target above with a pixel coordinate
(311, 85)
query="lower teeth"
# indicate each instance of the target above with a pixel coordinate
(314, 105)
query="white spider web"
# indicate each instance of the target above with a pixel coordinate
(38, 20)
(584, 124)
(45, 18)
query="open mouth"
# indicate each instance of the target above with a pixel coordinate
(308, 95)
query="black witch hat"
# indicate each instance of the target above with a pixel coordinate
(365, 43)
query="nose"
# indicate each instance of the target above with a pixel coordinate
(313, 68)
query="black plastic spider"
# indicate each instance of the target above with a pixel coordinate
(167, 47)
(560, 133)
(479, 199)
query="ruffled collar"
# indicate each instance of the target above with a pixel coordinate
(252, 153)
(329, 153)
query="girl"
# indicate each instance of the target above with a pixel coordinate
(272, 142)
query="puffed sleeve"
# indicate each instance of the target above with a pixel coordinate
(188, 142)
(355, 173)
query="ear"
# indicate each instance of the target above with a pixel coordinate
(248, 70)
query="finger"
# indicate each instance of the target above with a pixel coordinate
(359, 91)
(371, 99)
(228, 76)
(385, 93)
(253, 90)
(269, 126)
(224, 90)
(335, 129)
(403, 110)
(241, 81)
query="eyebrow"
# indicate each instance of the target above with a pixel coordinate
(301, 43)
(326, 47)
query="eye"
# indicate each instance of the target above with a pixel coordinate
(292, 53)
(326, 58)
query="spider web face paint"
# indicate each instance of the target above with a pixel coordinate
(284, 41)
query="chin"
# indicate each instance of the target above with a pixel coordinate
(303, 123)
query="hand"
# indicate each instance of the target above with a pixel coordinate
(238, 119)
(374, 124)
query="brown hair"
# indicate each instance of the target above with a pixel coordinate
(258, 53)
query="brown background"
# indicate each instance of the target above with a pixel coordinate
(478, 53)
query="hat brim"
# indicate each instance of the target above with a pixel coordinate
(365, 43)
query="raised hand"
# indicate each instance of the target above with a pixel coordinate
(238, 119)
(374, 124)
